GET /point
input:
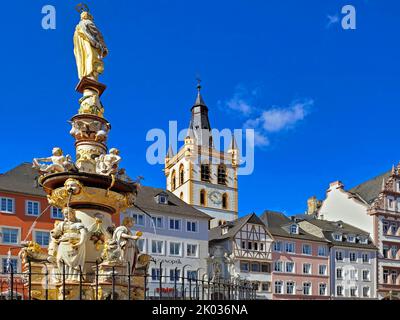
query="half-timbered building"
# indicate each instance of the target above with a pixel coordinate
(241, 249)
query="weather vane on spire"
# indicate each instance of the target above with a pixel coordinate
(198, 82)
(82, 7)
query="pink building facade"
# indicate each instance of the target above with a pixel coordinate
(300, 268)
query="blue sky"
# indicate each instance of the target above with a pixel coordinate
(324, 100)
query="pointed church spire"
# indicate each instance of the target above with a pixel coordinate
(199, 127)
(199, 99)
(170, 153)
(233, 145)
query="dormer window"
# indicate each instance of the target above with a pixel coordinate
(162, 198)
(363, 240)
(337, 237)
(351, 238)
(225, 230)
(294, 229)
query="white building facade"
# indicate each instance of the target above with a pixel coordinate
(176, 236)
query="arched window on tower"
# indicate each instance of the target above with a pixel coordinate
(205, 172)
(173, 181)
(181, 174)
(222, 174)
(225, 201)
(203, 197)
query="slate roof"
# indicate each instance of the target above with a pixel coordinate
(370, 189)
(146, 199)
(21, 179)
(215, 234)
(278, 225)
(331, 227)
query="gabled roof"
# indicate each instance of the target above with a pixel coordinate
(233, 227)
(21, 179)
(370, 189)
(331, 227)
(146, 200)
(278, 225)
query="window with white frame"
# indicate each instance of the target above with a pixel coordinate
(294, 229)
(265, 267)
(32, 208)
(353, 292)
(7, 205)
(307, 268)
(174, 275)
(391, 203)
(278, 246)
(363, 240)
(339, 273)
(353, 274)
(322, 289)
(322, 251)
(42, 238)
(307, 288)
(141, 245)
(306, 249)
(339, 291)
(322, 269)
(385, 251)
(278, 287)
(157, 222)
(339, 255)
(266, 286)
(278, 266)
(10, 235)
(244, 266)
(290, 287)
(385, 276)
(175, 248)
(351, 238)
(353, 256)
(157, 246)
(289, 266)
(13, 264)
(191, 226)
(138, 219)
(393, 228)
(365, 257)
(56, 213)
(337, 237)
(191, 250)
(289, 247)
(155, 274)
(366, 291)
(366, 275)
(174, 224)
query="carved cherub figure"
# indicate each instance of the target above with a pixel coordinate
(107, 164)
(59, 162)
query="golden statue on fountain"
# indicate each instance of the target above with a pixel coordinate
(89, 47)
(88, 257)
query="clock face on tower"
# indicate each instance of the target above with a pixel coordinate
(215, 197)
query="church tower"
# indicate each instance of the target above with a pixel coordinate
(199, 174)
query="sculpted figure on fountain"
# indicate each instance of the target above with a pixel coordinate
(59, 162)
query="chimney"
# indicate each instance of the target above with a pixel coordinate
(313, 204)
(336, 185)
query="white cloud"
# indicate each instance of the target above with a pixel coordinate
(267, 121)
(277, 119)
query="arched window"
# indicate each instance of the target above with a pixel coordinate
(181, 174)
(181, 196)
(203, 197)
(173, 181)
(222, 174)
(225, 201)
(205, 172)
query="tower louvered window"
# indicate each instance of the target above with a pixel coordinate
(205, 172)
(222, 174)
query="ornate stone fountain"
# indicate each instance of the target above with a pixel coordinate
(88, 257)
